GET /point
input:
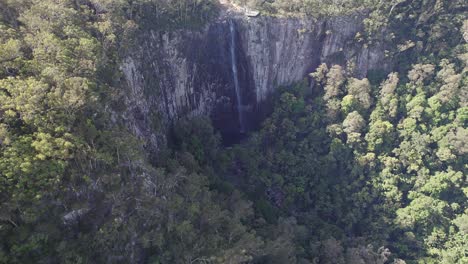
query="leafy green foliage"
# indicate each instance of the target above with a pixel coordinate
(64, 166)
(329, 175)
(311, 7)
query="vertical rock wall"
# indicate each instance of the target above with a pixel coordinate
(188, 73)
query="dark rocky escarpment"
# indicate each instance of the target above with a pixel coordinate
(189, 72)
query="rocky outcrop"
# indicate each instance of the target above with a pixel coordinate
(189, 72)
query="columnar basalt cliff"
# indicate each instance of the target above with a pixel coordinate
(187, 73)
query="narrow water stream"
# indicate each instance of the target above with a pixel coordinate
(234, 74)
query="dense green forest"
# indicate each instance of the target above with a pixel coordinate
(343, 170)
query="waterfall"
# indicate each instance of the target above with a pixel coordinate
(234, 74)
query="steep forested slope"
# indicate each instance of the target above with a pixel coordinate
(379, 158)
(344, 170)
(76, 187)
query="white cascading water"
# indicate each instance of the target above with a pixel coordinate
(234, 74)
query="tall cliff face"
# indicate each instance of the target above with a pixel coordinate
(189, 73)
